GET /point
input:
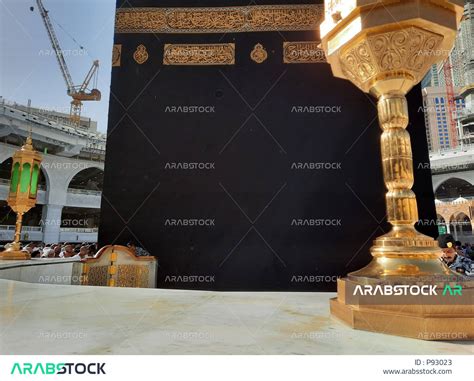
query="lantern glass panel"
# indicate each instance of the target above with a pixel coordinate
(25, 178)
(34, 180)
(15, 178)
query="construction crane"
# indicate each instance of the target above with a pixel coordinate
(79, 93)
(451, 106)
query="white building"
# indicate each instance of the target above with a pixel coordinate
(461, 71)
(72, 171)
(437, 122)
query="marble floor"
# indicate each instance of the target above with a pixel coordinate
(54, 319)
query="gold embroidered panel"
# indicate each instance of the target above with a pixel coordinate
(259, 54)
(116, 55)
(132, 276)
(98, 276)
(303, 52)
(199, 54)
(219, 19)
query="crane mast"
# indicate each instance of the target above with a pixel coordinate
(56, 47)
(77, 93)
(450, 108)
(451, 104)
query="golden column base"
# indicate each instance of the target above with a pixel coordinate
(385, 47)
(418, 321)
(13, 252)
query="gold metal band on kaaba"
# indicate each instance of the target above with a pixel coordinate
(259, 18)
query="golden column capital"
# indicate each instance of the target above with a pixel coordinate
(385, 45)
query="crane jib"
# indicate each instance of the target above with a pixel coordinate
(78, 93)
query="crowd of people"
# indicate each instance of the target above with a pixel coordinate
(60, 250)
(457, 256)
(70, 250)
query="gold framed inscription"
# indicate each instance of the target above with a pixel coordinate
(199, 54)
(303, 52)
(219, 19)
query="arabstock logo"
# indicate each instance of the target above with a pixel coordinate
(58, 368)
(406, 290)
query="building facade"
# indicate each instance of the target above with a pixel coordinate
(466, 70)
(452, 157)
(439, 134)
(460, 68)
(453, 179)
(68, 207)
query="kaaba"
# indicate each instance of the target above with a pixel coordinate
(235, 156)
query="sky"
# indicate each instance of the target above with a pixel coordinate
(29, 70)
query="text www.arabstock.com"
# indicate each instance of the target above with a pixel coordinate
(417, 371)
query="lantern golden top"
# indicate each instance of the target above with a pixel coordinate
(27, 151)
(388, 45)
(28, 146)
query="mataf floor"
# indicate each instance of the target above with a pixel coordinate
(52, 319)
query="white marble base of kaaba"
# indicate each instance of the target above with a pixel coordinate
(58, 319)
(44, 270)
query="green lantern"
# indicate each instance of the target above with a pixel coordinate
(23, 193)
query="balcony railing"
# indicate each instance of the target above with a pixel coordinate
(80, 230)
(88, 192)
(452, 199)
(23, 228)
(7, 183)
(40, 229)
(95, 140)
(463, 148)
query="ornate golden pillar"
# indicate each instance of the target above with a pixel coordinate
(385, 47)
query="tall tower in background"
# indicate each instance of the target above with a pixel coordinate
(467, 89)
(438, 130)
(435, 93)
